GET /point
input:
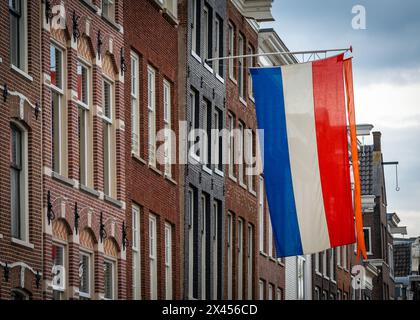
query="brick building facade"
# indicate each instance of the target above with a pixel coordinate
(151, 51)
(83, 149)
(20, 163)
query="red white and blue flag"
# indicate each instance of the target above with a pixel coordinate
(305, 152)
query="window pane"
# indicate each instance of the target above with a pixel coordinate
(82, 83)
(84, 274)
(56, 130)
(56, 67)
(108, 280)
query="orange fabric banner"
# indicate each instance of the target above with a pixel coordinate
(348, 74)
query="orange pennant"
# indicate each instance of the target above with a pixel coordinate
(348, 73)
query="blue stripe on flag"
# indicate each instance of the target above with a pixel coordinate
(269, 98)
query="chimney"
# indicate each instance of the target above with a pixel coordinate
(377, 141)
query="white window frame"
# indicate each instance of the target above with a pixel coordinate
(270, 237)
(22, 36)
(232, 51)
(167, 108)
(250, 65)
(195, 29)
(215, 248)
(205, 33)
(270, 291)
(261, 287)
(241, 66)
(231, 145)
(168, 262)
(87, 295)
(317, 263)
(111, 7)
(153, 256)
(344, 258)
(301, 275)
(107, 120)
(203, 245)
(135, 105)
(191, 212)
(151, 110)
(332, 265)
(338, 255)
(248, 163)
(241, 165)
(136, 247)
(240, 259)
(113, 265)
(324, 264)
(23, 183)
(218, 27)
(230, 254)
(261, 213)
(250, 255)
(278, 294)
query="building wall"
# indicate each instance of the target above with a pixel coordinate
(241, 198)
(207, 87)
(23, 258)
(65, 187)
(154, 38)
(291, 278)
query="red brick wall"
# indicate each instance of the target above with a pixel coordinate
(11, 252)
(155, 39)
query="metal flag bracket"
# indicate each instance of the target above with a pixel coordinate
(394, 163)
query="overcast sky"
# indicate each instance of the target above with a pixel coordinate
(386, 74)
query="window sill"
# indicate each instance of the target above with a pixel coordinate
(112, 23)
(170, 17)
(233, 178)
(262, 253)
(242, 100)
(90, 5)
(253, 192)
(218, 77)
(273, 259)
(62, 179)
(169, 178)
(233, 80)
(89, 191)
(154, 169)
(113, 201)
(208, 170)
(21, 73)
(22, 243)
(139, 159)
(219, 173)
(208, 68)
(252, 98)
(318, 273)
(196, 56)
(195, 158)
(243, 185)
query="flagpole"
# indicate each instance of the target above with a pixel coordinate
(279, 53)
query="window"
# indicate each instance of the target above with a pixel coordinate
(324, 263)
(249, 159)
(215, 242)
(338, 255)
(18, 33)
(240, 258)
(231, 145)
(316, 294)
(57, 94)
(59, 272)
(367, 234)
(250, 259)
(85, 267)
(83, 80)
(279, 294)
(218, 47)
(345, 263)
(208, 34)
(332, 264)
(218, 139)
(241, 66)
(229, 253)
(107, 127)
(261, 287)
(251, 52)
(206, 145)
(19, 182)
(135, 107)
(270, 291)
(168, 261)
(195, 148)
(195, 27)
(391, 259)
(167, 123)
(231, 51)
(270, 237)
(151, 107)
(317, 262)
(109, 280)
(108, 9)
(301, 278)
(261, 213)
(324, 295)
(241, 153)
(203, 245)
(338, 294)
(191, 211)
(136, 252)
(153, 257)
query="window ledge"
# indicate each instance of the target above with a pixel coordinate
(195, 158)
(208, 68)
(154, 169)
(112, 23)
(218, 77)
(23, 243)
(242, 100)
(233, 80)
(218, 172)
(196, 56)
(138, 158)
(113, 201)
(62, 179)
(262, 253)
(208, 170)
(90, 5)
(169, 178)
(253, 192)
(252, 98)
(273, 259)
(22, 73)
(170, 17)
(243, 185)
(233, 178)
(90, 191)
(318, 273)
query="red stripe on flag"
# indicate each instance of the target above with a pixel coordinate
(331, 131)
